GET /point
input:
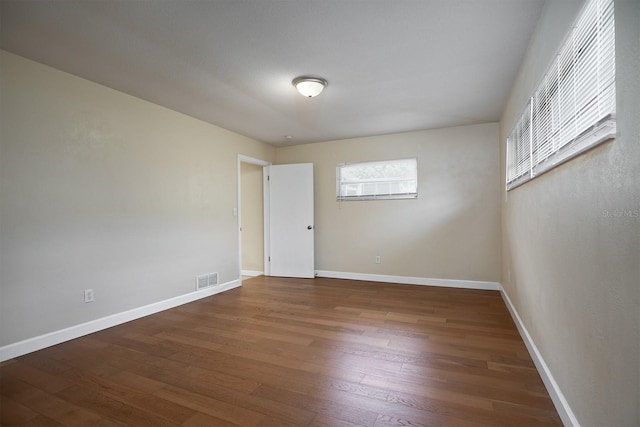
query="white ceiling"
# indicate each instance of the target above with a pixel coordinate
(392, 65)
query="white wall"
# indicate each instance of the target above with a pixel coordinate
(451, 231)
(103, 190)
(571, 270)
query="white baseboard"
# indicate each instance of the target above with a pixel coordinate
(251, 273)
(562, 406)
(37, 343)
(448, 283)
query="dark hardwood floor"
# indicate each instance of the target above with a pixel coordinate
(291, 352)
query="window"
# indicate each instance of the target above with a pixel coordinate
(391, 179)
(573, 108)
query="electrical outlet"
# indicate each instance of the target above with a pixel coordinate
(88, 295)
(377, 259)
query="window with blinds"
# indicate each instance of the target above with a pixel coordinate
(573, 107)
(389, 179)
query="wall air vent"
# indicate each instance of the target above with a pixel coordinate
(206, 281)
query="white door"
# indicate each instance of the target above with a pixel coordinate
(291, 227)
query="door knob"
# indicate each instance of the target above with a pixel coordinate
(309, 227)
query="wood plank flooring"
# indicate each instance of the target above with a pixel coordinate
(291, 352)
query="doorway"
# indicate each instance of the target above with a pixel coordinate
(251, 216)
(287, 227)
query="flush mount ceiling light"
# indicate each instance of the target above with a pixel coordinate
(309, 86)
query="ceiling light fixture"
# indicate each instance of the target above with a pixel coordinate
(309, 86)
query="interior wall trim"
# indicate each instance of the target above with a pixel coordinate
(251, 273)
(560, 402)
(407, 280)
(56, 337)
(565, 412)
(37, 343)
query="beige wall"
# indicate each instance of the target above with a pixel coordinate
(572, 271)
(103, 190)
(252, 212)
(450, 232)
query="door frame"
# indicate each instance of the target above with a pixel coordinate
(265, 207)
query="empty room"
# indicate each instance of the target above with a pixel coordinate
(320, 213)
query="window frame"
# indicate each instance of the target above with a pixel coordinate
(561, 121)
(395, 196)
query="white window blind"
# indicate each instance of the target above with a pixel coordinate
(519, 147)
(389, 179)
(573, 107)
